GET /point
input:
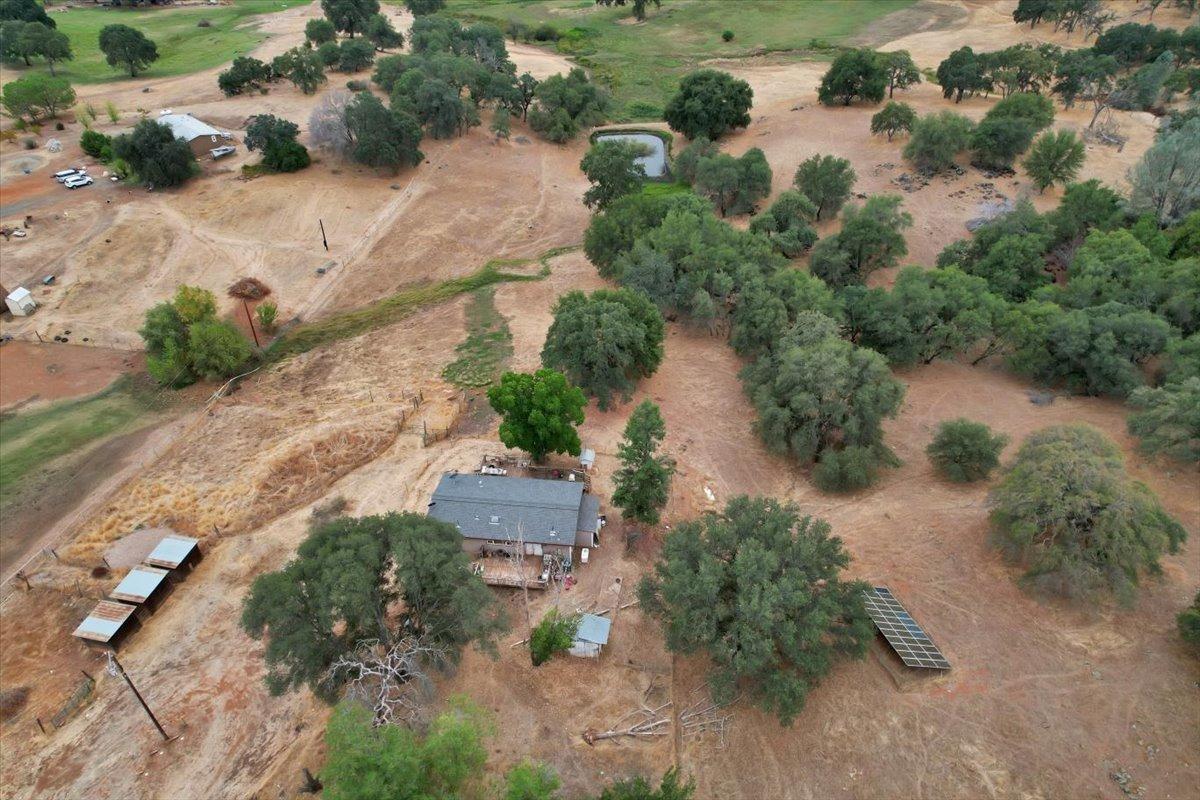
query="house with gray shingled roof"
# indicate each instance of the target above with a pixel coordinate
(494, 512)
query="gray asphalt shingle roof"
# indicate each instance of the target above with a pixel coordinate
(498, 507)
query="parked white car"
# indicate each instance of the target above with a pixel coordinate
(63, 176)
(77, 181)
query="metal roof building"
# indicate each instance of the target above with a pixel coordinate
(142, 586)
(201, 136)
(107, 624)
(495, 508)
(591, 636)
(175, 551)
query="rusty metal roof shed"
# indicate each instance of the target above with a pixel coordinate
(106, 619)
(139, 584)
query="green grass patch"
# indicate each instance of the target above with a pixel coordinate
(403, 303)
(662, 189)
(488, 345)
(30, 440)
(183, 46)
(643, 63)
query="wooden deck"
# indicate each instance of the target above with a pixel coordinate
(503, 572)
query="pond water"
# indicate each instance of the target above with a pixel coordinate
(654, 164)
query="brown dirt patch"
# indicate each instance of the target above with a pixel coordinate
(36, 372)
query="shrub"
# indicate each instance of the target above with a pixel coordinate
(846, 470)
(553, 635)
(1067, 511)
(965, 451)
(997, 141)
(94, 143)
(29, 143)
(1189, 623)
(937, 139)
(329, 53)
(266, 313)
(546, 32)
(727, 36)
(357, 85)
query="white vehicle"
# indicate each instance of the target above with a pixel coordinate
(77, 181)
(63, 175)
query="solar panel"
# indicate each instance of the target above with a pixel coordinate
(902, 632)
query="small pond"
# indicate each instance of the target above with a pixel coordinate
(654, 164)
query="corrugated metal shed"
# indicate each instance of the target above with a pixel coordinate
(587, 458)
(593, 629)
(105, 620)
(171, 551)
(187, 127)
(139, 584)
(501, 508)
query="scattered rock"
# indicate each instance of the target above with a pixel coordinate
(394, 186)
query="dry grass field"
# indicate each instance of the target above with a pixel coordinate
(1046, 700)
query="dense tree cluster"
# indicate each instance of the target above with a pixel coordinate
(758, 588)
(244, 73)
(1068, 513)
(866, 75)
(786, 223)
(565, 105)
(605, 342)
(154, 154)
(21, 41)
(185, 341)
(734, 185)
(937, 139)
(37, 95)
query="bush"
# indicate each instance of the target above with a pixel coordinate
(329, 53)
(727, 36)
(357, 85)
(94, 143)
(1188, 622)
(546, 32)
(965, 451)
(29, 143)
(997, 141)
(846, 470)
(554, 634)
(937, 139)
(267, 313)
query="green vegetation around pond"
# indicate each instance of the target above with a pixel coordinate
(183, 45)
(642, 63)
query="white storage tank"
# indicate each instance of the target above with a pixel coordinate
(20, 302)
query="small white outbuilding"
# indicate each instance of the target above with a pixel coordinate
(20, 302)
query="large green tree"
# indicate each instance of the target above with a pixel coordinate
(612, 168)
(854, 75)
(1166, 181)
(961, 73)
(127, 48)
(605, 342)
(709, 103)
(900, 70)
(643, 480)
(758, 588)
(768, 307)
(341, 588)
(894, 118)
(155, 155)
(36, 95)
(391, 762)
(1055, 157)
(816, 391)
(825, 180)
(871, 238)
(539, 412)
(1069, 514)
(46, 42)
(25, 11)
(350, 16)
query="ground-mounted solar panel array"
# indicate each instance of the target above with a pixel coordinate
(902, 632)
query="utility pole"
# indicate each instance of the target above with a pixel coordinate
(324, 241)
(115, 669)
(250, 321)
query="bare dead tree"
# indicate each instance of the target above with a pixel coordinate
(701, 717)
(392, 680)
(327, 123)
